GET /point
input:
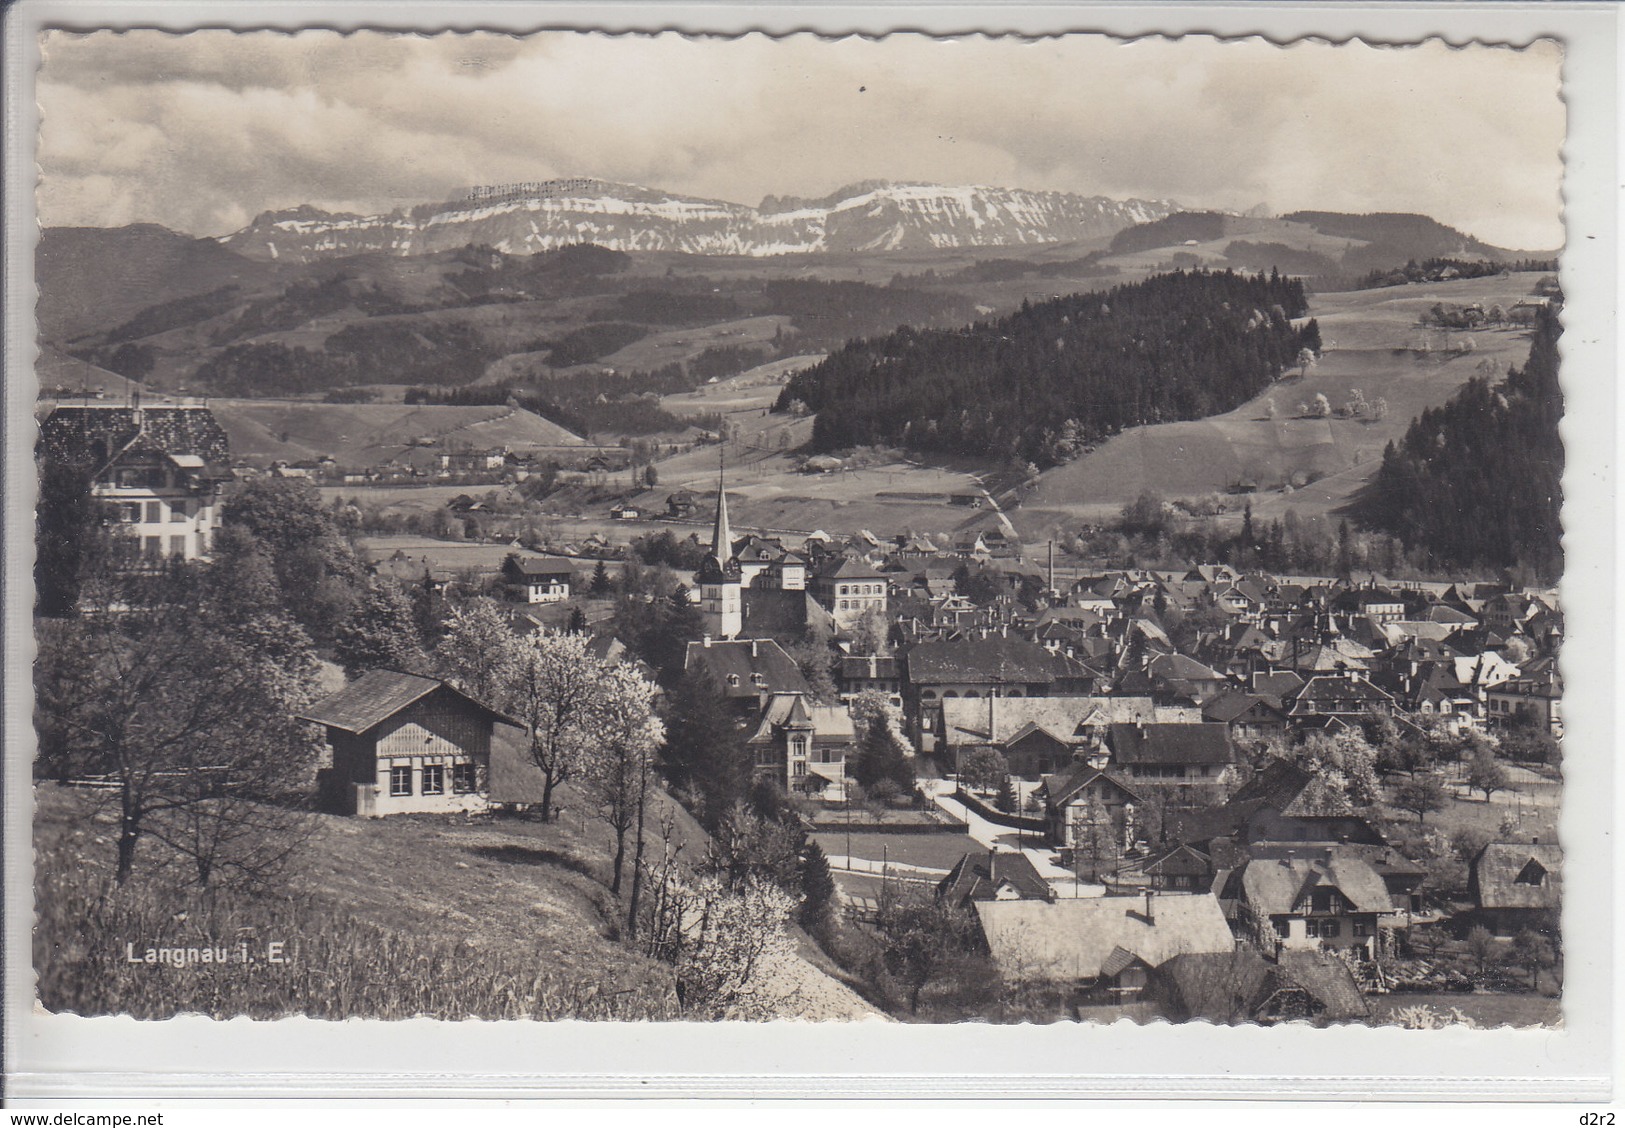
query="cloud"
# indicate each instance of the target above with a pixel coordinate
(201, 131)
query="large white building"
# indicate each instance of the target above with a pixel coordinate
(161, 469)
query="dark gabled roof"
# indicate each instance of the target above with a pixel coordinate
(846, 568)
(1278, 784)
(537, 567)
(977, 877)
(75, 434)
(378, 695)
(1276, 683)
(1171, 744)
(985, 661)
(1181, 860)
(766, 612)
(742, 659)
(1282, 886)
(1228, 706)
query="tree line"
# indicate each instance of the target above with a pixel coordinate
(1176, 346)
(1478, 480)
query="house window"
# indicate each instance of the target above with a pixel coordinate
(155, 512)
(177, 514)
(153, 547)
(1283, 927)
(434, 779)
(798, 769)
(130, 512)
(1311, 928)
(462, 779)
(1330, 928)
(1361, 928)
(177, 545)
(1320, 901)
(400, 781)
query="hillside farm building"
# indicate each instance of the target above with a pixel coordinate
(402, 743)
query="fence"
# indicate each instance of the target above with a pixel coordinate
(993, 815)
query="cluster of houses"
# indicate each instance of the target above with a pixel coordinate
(1130, 757)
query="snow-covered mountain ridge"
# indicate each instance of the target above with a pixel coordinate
(869, 216)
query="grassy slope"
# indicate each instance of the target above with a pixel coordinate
(510, 888)
(1361, 330)
(372, 433)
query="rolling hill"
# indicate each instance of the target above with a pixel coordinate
(1372, 342)
(367, 434)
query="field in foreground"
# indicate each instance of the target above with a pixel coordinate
(449, 917)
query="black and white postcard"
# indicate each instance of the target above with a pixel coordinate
(922, 531)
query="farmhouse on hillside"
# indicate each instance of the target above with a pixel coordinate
(1106, 946)
(1515, 886)
(403, 743)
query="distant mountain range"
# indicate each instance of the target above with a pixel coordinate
(867, 216)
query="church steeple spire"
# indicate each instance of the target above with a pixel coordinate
(722, 538)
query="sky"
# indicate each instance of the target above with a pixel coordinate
(201, 132)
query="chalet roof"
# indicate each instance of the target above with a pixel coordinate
(1208, 986)
(99, 433)
(1060, 788)
(1499, 866)
(1179, 667)
(1278, 887)
(1070, 940)
(1328, 979)
(1334, 689)
(743, 658)
(1227, 707)
(846, 568)
(828, 723)
(1171, 744)
(977, 877)
(378, 695)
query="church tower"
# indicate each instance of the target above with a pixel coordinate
(721, 597)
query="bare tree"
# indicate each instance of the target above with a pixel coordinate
(1421, 795)
(191, 724)
(1487, 774)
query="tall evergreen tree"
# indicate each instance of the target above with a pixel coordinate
(380, 633)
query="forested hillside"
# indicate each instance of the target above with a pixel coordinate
(1053, 377)
(1478, 481)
